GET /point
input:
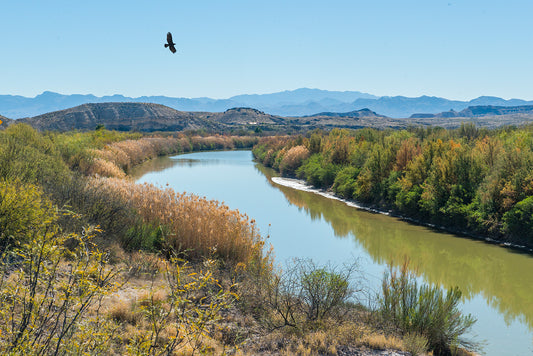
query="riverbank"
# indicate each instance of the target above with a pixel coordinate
(471, 182)
(180, 302)
(302, 185)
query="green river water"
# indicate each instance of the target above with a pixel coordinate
(497, 282)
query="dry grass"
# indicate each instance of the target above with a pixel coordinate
(123, 311)
(126, 154)
(143, 264)
(326, 341)
(117, 158)
(382, 342)
(293, 159)
(198, 227)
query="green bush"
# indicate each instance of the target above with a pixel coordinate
(346, 182)
(145, 237)
(317, 172)
(323, 290)
(23, 210)
(31, 157)
(519, 220)
(424, 310)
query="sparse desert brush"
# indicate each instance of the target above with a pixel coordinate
(49, 305)
(195, 225)
(144, 264)
(123, 312)
(176, 314)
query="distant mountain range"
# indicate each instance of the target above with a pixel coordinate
(480, 111)
(299, 102)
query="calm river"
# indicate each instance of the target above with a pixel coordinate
(497, 282)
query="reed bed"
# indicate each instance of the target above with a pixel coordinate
(197, 226)
(293, 159)
(128, 153)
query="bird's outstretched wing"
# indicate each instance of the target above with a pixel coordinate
(170, 44)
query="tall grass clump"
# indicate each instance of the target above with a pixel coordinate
(424, 310)
(293, 159)
(194, 225)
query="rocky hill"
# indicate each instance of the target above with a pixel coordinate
(120, 116)
(354, 114)
(243, 116)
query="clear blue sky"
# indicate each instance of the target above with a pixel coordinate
(458, 49)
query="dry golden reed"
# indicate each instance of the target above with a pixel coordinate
(125, 154)
(198, 226)
(293, 159)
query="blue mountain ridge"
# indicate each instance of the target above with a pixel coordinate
(299, 102)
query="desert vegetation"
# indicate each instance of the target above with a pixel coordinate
(92, 263)
(469, 179)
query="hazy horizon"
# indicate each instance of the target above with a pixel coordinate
(281, 91)
(449, 49)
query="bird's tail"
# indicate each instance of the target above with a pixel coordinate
(166, 45)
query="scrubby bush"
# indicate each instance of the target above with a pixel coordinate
(324, 290)
(50, 287)
(23, 210)
(518, 221)
(424, 310)
(305, 294)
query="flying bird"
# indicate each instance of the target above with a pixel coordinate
(170, 44)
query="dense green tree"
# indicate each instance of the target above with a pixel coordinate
(468, 178)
